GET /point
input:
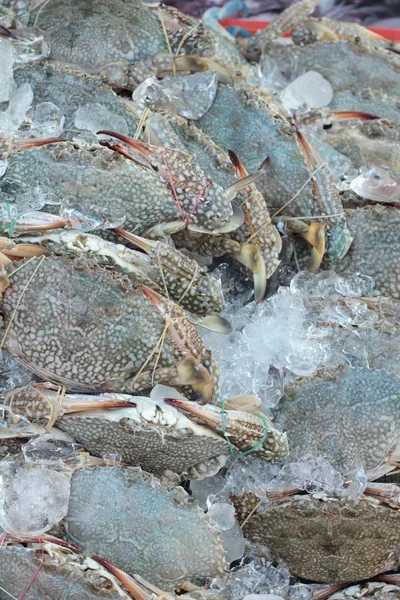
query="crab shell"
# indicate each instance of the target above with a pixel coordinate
(376, 247)
(333, 541)
(101, 38)
(127, 517)
(73, 90)
(295, 182)
(387, 586)
(373, 102)
(88, 328)
(368, 144)
(344, 414)
(55, 569)
(104, 178)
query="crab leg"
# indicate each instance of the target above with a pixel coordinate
(189, 371)
(246, 431)
(136, 585)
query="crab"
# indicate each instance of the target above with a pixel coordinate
(375, 248)
(102, 177)
(73, 91)
(151, 433)
(363, 64)
(344, 414)
(89, 323)
(140, 43)
(368, 101)
(369, 143)
(296, 181)
(101, 39)
(347, 540)
(160, 266)
(256, 244)
(129, 518)
(46, 567)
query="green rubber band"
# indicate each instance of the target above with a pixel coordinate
(231, 446)
(11, 224)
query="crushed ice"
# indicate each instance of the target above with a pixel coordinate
(190, 96)
(292, 333)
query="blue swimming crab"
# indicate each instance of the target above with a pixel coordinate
(348, 540)
(297, 185)
(128, 517)
(166, 192)
(152, 433)
(80, 324)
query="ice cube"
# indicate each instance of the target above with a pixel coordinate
(310, 89)
(30, 46)
(50, 447)
(32, 499)
(263, 597)
(48, 121)
(190, 96)
(90, 217)
(12, 373)
(94, 117)
(203, 488)
(20, 100)
(221, 511)
(234, 542)
(378, 184)
(6, 70)
(3, 166)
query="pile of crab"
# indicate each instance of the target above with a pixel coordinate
(156, 184)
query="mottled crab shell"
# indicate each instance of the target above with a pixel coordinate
(334, 541)
(71, 90)
(89, 328)
(102, 177)
(371, 590)
(368, 144)
(362, 63)
(375, 250)
(59, 575)
(99, 36)
(373, 102)
(242, 121)
(343, 414)
(128, 518)
(151, 435)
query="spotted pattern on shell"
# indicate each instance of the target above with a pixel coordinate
(343, 414)
(130, 519)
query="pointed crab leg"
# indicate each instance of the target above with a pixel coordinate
(190, 371)
(138, 587)
(250, 255)
(342, 115)
(248, 432)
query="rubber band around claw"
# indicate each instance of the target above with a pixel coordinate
(11, 224)
(231, 446)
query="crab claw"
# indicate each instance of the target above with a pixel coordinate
(194, 62)
(141, 147)
(146, 245)
(214, 323)
(251, 257)
(234, 188)
(236, 220)
(139, 588)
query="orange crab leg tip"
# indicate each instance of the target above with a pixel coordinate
(341, 115)
(141, 242)
(155, 297)
(194, 62)
(100, 405)
(239, 167)
(27, 144)
(251, 257)
(192, 373)
(136, 144)
(316, 237)
(134, 588)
